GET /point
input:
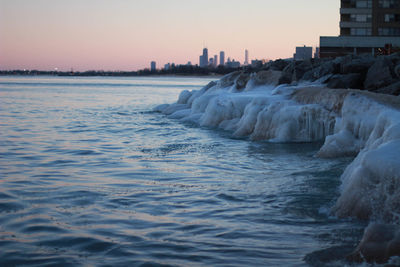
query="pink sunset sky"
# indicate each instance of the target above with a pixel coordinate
(127, 35)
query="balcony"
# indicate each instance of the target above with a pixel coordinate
(355, 11)
(352, 24)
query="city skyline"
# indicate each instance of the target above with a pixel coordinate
(127, 35)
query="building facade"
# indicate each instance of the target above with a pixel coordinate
(222, 58)
(303, 53)
(204, 58)
(246, 57)
(366, 26)
(153, 66)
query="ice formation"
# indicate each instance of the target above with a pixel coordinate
(349, 122)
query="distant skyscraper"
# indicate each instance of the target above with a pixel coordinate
(153, 66)
(215, 60)
(204, 58)
(246, 57)
(222, 58)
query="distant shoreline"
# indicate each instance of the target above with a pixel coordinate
(217, 76)
(177, 72)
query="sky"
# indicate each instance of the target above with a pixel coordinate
(129, 34)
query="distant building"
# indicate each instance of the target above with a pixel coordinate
(204, 58)
(233, 64)
(257, 63)
(153, 66)
(246, 57)
(215, 61)
(303, 53)
(211, 61)
(167, 66)
(366, 27)
(222, 58)
(316, 53)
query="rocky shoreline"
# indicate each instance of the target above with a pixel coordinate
(377, 74)
(297, 101)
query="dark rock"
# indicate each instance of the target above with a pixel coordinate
(328, 256)
(359, 65)
(344, 60)
(345, 81)
(266, 77)
(242, 80)
(302, 68)
(325, 68)
(287, 73)
(309, 75)
(229, 79)
(279, 64)
(397, 71)
(286, 77)
(379, 74)
(379, 243)
(395, 58)
(393, 89)
(295, 71)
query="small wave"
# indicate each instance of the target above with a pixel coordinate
(10, 206)
(333, 256)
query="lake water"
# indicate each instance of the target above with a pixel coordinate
(90, 176)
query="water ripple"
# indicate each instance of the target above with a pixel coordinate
(90, 176)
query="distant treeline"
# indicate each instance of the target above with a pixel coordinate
(184, 70)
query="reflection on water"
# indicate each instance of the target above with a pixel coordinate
(90, 176)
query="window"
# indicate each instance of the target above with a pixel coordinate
(392, 18)
(389, 17)
(360, 31)
(364, 4)
(361, 18)
(389, 31)
(389, 3)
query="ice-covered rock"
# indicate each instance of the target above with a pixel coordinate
(379, 243)
(354, 123)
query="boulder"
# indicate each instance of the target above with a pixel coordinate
(266, 77)
(379, 243)
(345, 81)
(279, 64)
(358, 65)
(301, 68)
(395, 58)
(393, 89)
(295, 71)
(379, 74)
(397, 71)
(229, 79)
(242, 80)
(325, 68)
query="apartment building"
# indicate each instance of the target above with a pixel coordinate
(366, 26)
